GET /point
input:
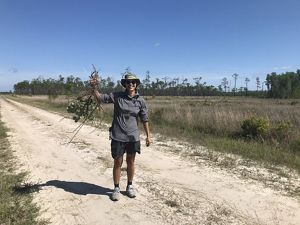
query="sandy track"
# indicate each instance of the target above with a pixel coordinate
(75, 180)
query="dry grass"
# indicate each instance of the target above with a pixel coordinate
(216, 122)
(223, 115)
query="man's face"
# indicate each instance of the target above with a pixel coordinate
(130, 84)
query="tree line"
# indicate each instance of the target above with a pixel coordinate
(286, 85)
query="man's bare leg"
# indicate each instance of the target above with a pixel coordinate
(117, 169)
(130, 166)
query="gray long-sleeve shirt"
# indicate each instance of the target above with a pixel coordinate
(126, 110)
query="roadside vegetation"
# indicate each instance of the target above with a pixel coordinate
(265, 130)
(16, 207)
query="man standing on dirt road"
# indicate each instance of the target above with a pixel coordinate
(124, 133)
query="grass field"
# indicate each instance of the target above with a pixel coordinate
(216, 122)
(15, 207)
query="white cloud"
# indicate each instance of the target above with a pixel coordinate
(282, 68)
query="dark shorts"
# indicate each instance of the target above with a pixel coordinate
(118, 148)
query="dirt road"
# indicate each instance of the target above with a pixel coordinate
(76, 179)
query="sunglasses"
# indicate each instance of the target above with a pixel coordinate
(130, 81)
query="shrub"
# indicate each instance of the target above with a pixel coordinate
(52, 96)
(255, 127)
(283, 126)
(295, 146)
(294, 102)
(283, 129)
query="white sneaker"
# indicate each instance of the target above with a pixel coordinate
(115, 196)
(130, 192)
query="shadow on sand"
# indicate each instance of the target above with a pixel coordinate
(80, 188)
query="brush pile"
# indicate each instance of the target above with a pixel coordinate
(82, 107)
(85, 106)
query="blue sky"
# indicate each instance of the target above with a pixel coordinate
(211, 39)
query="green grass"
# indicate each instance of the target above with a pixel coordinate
(249, 149)
(15, 208)
(215, 122)
(254, 150)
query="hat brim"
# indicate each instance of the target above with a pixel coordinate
(123, 82)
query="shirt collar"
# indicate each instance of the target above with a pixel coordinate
(136, 95)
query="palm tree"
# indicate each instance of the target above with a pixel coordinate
(225, 83)
(257, 83)
(235, 76)
(247, 80)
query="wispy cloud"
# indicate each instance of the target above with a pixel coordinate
(157, 44)
(282, 68)
(13, 70)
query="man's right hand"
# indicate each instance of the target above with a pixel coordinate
(94, 82)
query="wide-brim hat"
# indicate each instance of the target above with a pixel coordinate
(130, 77)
